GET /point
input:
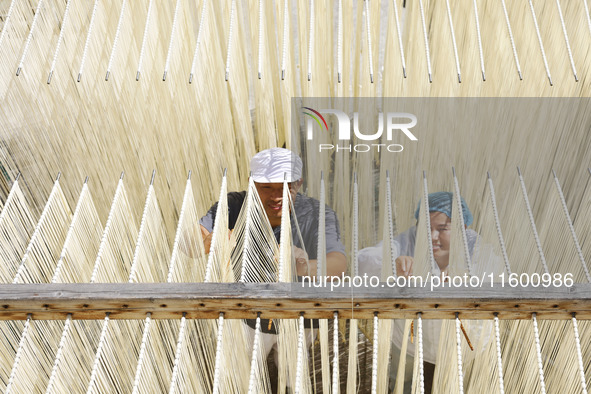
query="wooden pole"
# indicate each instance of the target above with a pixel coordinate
(287, 300)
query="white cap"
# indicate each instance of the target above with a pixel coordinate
(271, 166)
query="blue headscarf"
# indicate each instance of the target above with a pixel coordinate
(441, 202)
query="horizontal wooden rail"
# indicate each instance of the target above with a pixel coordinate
(287, 300)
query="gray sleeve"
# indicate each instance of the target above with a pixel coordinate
(333, 233)
(208, 220)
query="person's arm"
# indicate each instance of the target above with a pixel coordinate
(187, 245)
(336, 263)
(370, 260)
(207, 236)
(189, 237)
(207, 222)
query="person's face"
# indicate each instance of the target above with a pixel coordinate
(440, 237)
(271, 195)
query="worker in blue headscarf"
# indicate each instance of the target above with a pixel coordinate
(370, 263)
(440, 205)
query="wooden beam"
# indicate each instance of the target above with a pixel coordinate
(286, 300)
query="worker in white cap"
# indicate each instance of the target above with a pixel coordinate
(268, 170)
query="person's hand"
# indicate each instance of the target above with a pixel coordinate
(404, 265)
(304, 267)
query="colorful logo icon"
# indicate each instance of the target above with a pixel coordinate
(316, 115)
